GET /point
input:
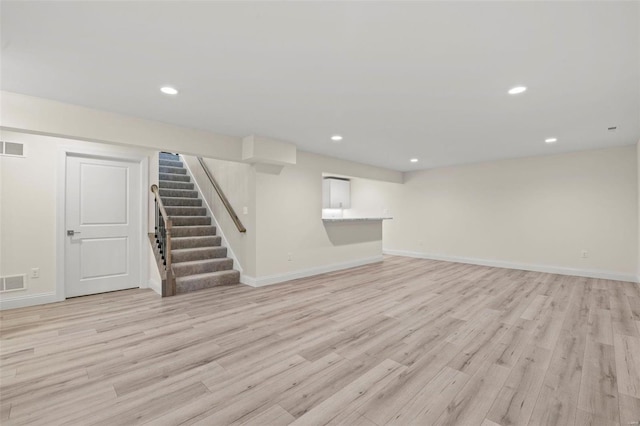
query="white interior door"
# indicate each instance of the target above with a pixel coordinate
(102, 225)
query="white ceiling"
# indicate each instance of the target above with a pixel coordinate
(397, 80)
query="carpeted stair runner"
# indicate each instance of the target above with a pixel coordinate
(199, 260)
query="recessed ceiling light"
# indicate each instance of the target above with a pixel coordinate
(336, 138)
(168, 90)
(414, 160)
(551, 140)
(517, 89)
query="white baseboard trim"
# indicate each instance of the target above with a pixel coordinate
(589, 273)
(29, 300)
(155, 286)
(304, 273)
(248, 280)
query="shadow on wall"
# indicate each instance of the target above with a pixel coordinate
(270, 169)
(345, 233)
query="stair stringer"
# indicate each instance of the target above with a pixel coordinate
(225, 243)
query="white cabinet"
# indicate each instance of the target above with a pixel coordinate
(336, 193)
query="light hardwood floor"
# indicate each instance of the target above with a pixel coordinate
(403, 342)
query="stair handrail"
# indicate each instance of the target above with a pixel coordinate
(163, 238)
(223, 198)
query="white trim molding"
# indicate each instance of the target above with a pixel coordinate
(155, 286)
(29, 300)
(588, 273)
(304, 273)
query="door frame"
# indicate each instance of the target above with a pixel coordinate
(61, 195)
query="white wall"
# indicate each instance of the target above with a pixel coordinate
(373, 198)
(638, 169)
(533, 213)
(28, 200)
(237, 181)
(43, 116)
(291, 237)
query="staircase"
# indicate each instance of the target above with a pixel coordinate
(199, 261)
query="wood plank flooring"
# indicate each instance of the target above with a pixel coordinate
(402, 342)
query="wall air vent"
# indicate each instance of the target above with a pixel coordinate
(612, 129)
(13, 283)
(12, 149)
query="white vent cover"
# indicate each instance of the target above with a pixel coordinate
(12, 149)
(13, 283)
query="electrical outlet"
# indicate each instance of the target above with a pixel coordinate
(584, 254)
(289, 257)
(245, 210)
(35, 272)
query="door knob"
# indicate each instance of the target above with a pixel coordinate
(71, 232)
